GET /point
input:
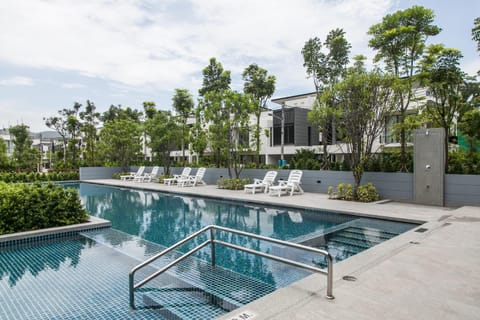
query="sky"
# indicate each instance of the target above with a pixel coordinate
(54, 53)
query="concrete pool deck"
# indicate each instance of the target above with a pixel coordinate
(433, 274)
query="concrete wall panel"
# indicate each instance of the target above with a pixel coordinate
(459, 189)
(462, 189)
(429, 166)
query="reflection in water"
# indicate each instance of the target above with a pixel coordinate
(14, 264)
(166, 219)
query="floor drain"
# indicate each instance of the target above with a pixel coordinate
(349, 278)
(414, 242)
(421, 230)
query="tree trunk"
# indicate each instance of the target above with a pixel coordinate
(403, 144)
(64, 151)
(257, 137)
(447, 134)
(357, 171)
(183, 145)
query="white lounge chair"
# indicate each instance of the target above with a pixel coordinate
(132, 175)
(192, 181)
(148, 176)
(295, 216)
(176, 177)
(261, 185)
(291, 186)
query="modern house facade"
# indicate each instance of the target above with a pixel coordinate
(299, 133)
(46, 142)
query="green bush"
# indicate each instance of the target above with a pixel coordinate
(331, 192)
(346, 166)
(344, 192)
(463, 163)
(34, 177)
(304, 159)
(232, 184)
(367, 193)
(25, 207)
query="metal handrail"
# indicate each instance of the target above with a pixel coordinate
(213, 242)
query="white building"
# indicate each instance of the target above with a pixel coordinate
(44, 141)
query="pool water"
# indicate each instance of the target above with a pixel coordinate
(86, 277)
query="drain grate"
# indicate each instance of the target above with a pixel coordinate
(421, 230)
(349, 278)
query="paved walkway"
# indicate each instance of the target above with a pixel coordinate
(429, 275)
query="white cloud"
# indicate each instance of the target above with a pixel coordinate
(14, 113)
(17, 81)
(471, 67)
(166, 44)
(73, 85)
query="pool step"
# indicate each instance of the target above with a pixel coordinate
(362, 238)
(349, 241)
(216, 284)
(186, 303)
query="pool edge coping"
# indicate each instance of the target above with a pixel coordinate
(92, 223)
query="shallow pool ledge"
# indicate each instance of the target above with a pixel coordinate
(92, 223)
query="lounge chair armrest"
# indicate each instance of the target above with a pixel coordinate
(257, 181)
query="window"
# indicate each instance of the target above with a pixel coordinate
(289, 134)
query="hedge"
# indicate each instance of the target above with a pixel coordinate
(33, 176)
(25, 207)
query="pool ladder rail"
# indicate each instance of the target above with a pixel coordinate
(213, 241)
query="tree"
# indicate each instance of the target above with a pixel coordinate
(238, 106)
(470, 126)
(3, 154)
(59, 124)
(24, 155)
(364, 99)
(120, 142)
(476, 34)
(67, 124)
(214, 78)
(199, 137)
(183, 105)
(444, 79)
(90, 120)
(261, 86)
(211, 106)
(118, 112)
(400, 41)
(326, 70)
(73, 129)
(164, 135)
(149, 108)
(213, 113)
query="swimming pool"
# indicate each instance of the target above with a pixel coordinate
(86, 276)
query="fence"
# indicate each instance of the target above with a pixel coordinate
(459, 189)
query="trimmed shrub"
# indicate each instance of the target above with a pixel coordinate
(463, 163)
(232, 184)
(34, 177)
(367, 193)
(25, 207)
